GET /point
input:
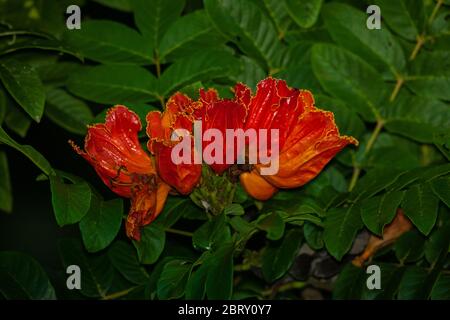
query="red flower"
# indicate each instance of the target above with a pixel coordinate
(222, 114)
(114, 151)
(160, 127)
(308, 137)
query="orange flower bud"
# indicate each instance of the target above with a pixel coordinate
(256, 186)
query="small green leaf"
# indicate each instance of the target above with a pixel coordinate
(234, 209)
(24, 85)
(101, 224)
(6, 197)
(151, 245)
(21, 277)
(219, 282)
(18, 121)
(71, 201)
(273, 224)
(215, 231)
(123, 257)
(341, 226)
(379, 211)
(304, 13)
(313, 235)
(278, 256)
(421, 205)
(173, 279)
(114, 84)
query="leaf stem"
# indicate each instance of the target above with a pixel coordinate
(397, 87)
(419, 44)
(119, 294)
(271, 292)
(180, 232)
(435, 10)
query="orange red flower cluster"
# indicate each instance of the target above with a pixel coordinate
(308, 139)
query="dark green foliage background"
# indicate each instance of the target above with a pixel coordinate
(389, 88)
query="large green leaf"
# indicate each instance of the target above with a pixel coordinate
(416, 117)
(202, 66)
(304, 13)
(173, 279)
(405, 17)
(123, 5)
(6, 197)
(24, 85)
(96, 271)
(279, 14)
(154, 17)
(420, 205)
(71, 201)
(430, 75)
(350, 282)
(123, 257)
(101, 224)
(211, 232)
(278, 256)
(349, 78)
(192, 32)
(341, 226)
(347, 26)
(110, 42)
(374, 181)
(273, 224)
(18, 120)
(31, 153)
(114, 84)
(151, 245)
(21, 277)
(379, 211)
(409, 247)
(246, 24)
(219, 282)
(438, 245)
(67, 111)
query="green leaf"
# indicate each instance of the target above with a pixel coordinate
(313, 235)
(28, 151)
(304, 13)
(123, 5)
(246, 24)
(347, 26)
(101, 224)
(438, 245)
(374, 181)
(219, 282)
(430, 75)
(278, 12)
(151, 245)
(190, 33)
(278, 256)
(71, 202)
(212, 232)
(114, 84)
(24, 85)
(349, 284)
(43, 44)
(251, 73)
(409, 247)
(273, 224)
(67, 111)
(123, 257)
(417, 283)
(348, 78)
(173, 279)
(442, 142)
(196, 285)
(21, 277)
(96, 271)
(405, 17)
(419, 175)
(110, 42)
(441, 187)
(341, 226)
(154, 17)
(6, 197)
(416, 117)
(17, 120)
(390, 281)
(379, 211)
(234, 209)
(421, 205)
(174, 209)
(440, 289)
(202, 66)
